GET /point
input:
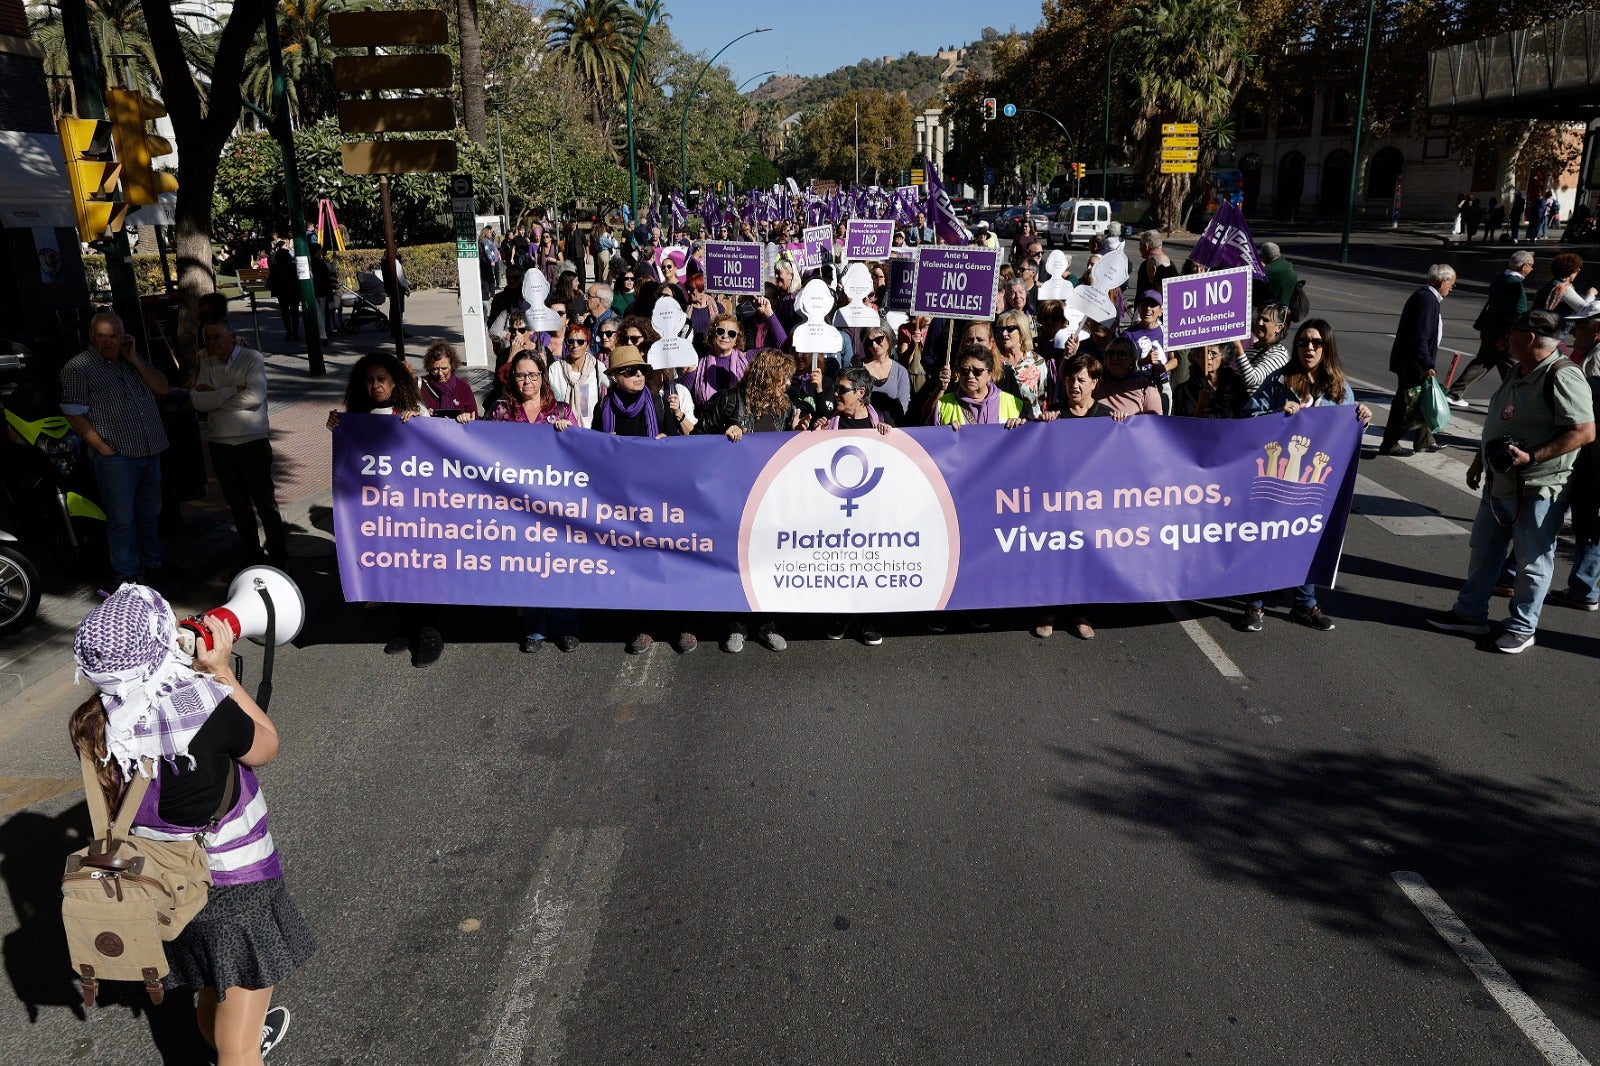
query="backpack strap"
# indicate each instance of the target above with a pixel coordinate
(101, 817)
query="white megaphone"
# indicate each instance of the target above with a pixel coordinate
(245, 613)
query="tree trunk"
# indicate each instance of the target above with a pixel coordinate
(473, 111)
(200, 128)
(1511, 152)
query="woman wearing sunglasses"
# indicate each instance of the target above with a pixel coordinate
(891, 383)
(575, 379)
(724, 364)
(625, 291)
(1313, 378)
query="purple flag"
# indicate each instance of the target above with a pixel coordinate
(905, 205)
(942, 214)
(653, 219)
(710, 216)
(677, 212)
(1227, 242)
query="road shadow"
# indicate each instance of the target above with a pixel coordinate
(1323, 829)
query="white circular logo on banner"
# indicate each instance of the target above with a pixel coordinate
(849, 523)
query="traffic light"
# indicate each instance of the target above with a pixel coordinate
(86, 144)
(142, 184)
(990, 108)
(1079, 169)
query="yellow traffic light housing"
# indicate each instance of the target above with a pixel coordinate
(142, 184)
(92, 174)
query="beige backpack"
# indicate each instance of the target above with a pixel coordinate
(122, 896)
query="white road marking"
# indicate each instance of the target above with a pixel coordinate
(1208, 647)
(550, 946)
(1391, 511)
(1437, 465)
(1522, 1010)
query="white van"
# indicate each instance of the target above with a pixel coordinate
(1078, 220)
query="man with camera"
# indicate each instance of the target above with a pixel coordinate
(1538, 419)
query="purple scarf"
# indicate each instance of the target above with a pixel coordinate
(982, 412)
(613, 405)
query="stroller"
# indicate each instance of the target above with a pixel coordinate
(357, 309)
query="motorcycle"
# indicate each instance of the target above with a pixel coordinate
(20, 589)
(45, 480)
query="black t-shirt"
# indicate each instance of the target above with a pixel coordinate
(189, 796)
(864, 422)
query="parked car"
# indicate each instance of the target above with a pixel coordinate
(965, 207)
(1078, 220)
(1010, 220)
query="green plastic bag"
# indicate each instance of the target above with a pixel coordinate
(1432, 406)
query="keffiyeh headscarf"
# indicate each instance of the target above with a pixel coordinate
(155, 700)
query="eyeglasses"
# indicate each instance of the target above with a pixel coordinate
(531, 375)
(633, 338)
(723, 331)
(974, 371)
(609, 332)
(574, 342)
(628, 371)
(521, 329)
(627, 277)
(875, 341)
(1308, 342)
(1008, 329)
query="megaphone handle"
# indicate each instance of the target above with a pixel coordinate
(264, 691)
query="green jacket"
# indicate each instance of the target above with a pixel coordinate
(1281, 280)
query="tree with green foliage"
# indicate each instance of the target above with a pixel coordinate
(597, 38)
(117, 30)
(886, 136)
(307, 60)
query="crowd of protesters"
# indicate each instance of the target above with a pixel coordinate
(583, 365)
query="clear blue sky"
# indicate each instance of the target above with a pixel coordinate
(816, 36)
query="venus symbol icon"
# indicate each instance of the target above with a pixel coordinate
(868, 478)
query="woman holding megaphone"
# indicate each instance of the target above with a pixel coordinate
(192, 728)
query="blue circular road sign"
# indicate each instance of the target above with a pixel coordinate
(1010, 110)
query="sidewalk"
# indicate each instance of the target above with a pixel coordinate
(1404, 254)
(303, 454)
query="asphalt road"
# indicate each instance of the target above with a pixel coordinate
(1174, 843)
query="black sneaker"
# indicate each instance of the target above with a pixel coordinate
(1312, 617)
(273, 1028)
(1251, 623)
(1568, 598)
(398, 644)
(837, 628)
(532, 644)
(1450, 622)
(568, 643)
(871, 635)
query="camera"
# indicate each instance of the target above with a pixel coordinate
(1498, 453)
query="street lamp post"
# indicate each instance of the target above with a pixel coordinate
(633, 166)
(683, 126)
(500, 149)
(1355, 147)
(1105, 145)
(555, 201)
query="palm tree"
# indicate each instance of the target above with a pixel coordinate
(307, 60)
(474, 113)
(1187, 60)
(597, 37)
(123, 52)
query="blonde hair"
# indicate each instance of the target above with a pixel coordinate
(1020, 320)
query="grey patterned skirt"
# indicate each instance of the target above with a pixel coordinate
(246, 936)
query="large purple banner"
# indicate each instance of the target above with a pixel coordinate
(1091, 511)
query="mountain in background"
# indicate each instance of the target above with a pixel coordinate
(922, 78)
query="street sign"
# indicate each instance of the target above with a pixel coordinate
(468, 284)
(380, 29)
(398, 157)
(1179, 155)
(1010, 111)
(919, 176)
(1179, 168)
(428, 70)
(406, 114)
(988, 175)
(1180, 141)
(1179, 127)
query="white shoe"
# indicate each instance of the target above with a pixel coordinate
(1457, 403)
